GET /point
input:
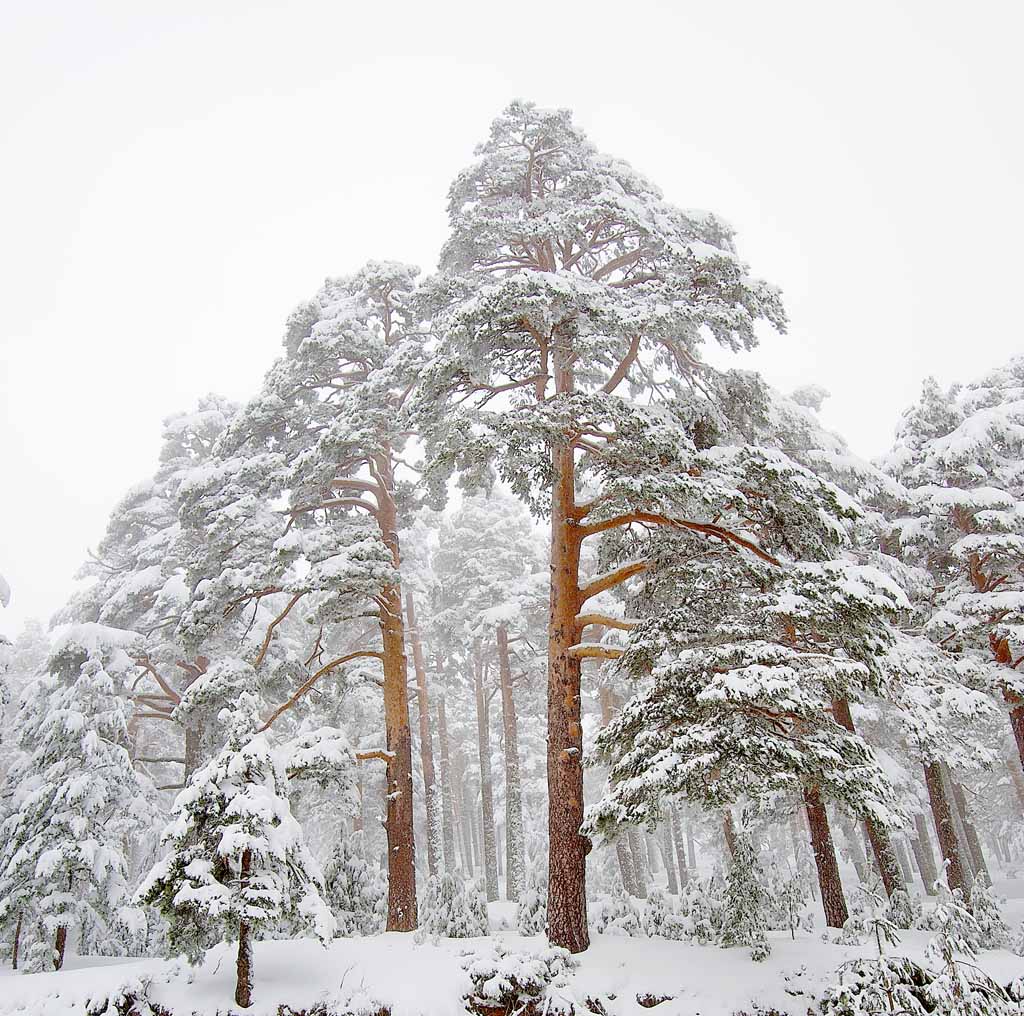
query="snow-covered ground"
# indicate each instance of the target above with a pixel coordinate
(427, 979)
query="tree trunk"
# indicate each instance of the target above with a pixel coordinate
(399, 823)
(639, 861)
(832, 898)
(59, 944)
(666, 856)
(243, 964)
(973, 841)
(483, 734)
(677, 839)
(1017, 778)
(924, 855)
(447, 795)
(653, 854)
(729, 829)
(691, 853)
(567, 848)
(860, 861)
(878, 837)
(515, 842)
(958, 875)
(426, 742)
(193, 750)
(1017, 723)
(623, 853)
(17, 941)
(908, 872)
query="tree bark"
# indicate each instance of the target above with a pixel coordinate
(860, 861)
(483, 732)
(908, 872)
(666, 856)
(691, 853)
(399, 822)
(243, 964)
(515, 843)
(426, 742)
(639, 861)
(447, 789)
(958, 874)
(567, 848)
(878, 837)
(832, 898)
(1017, 723)
(925, 856)
(59, 944)
(971, 834)
(17, 941)
(729, 829)
(677, 839)
(1017, 778)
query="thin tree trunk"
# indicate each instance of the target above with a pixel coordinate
(878, 837)
(1017, 779)
(447, 796)
(426, 742)
(653, 854)
(901, 855)
(357, 818)
(243, 964)
(925, 856)
(958, 874)
(1017, 724)
(691, 853)
(973, 841)
(515, 841)
(639, 861)
(677, 839)
(958, 824)
(666, 856)
(193, 750)
(860, 861)
(399, 823)
(59, 944)
(483, 732)
(832, 898)
(17, 941)
(729, 829)
(567, 848)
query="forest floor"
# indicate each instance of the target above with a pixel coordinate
(394, 973)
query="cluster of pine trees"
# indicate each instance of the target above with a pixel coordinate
(451, 495)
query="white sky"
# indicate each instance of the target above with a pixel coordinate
(177, 176)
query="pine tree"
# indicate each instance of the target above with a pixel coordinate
(237, 862)
(745, 914)
(355, 888)
(77, 805)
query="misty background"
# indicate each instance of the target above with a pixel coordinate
(175, 178)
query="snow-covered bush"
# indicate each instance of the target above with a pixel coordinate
(510, 981)
(619, 916)
(657, 910)
(993, 931)
(355, 889)
(532, 910)
(450, 909)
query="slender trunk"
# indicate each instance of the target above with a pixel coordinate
(653, 854)
(860, 861)
(470, 825)
(483, 733)
(729, 829)
(677, 839)
(243, 964)
(832, 898)
(357, 818)
(691, 853)
(639, 862)
(973, 841)
(925, 856)
(193, 750)
(901, 855)
(958, 824)
(17, 941)
(447, 796)
(878, 837)
(426, 742)
(1017, 723)
(958, 874)
(1017, 779)
(515, 842)
(666, 856)
(567, 848)
(59, 944)
(399, 823)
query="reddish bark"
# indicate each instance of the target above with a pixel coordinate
(958, 875)
(243, 962)
(60, 943)
(832, 898)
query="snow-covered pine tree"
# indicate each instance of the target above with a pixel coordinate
(327, 434)
(745, 914)
(237, 862)
(961, 453)
(78, 810)
(567, 280)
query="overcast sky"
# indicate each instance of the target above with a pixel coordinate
(177, 176)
